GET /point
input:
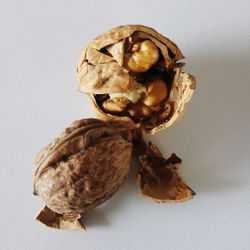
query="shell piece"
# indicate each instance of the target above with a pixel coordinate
(82, 168)
(158, 177)
(54, 220)
(102, 70)
(100, 73)
(182, 89)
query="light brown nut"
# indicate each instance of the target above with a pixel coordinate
(156, 93)
(145, 54)
(115, 105)
(139, 110)
(82, 168)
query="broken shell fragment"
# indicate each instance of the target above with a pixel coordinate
(59, 221)
(159, 179)
(140, 65)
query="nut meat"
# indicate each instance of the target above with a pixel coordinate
(132, 74)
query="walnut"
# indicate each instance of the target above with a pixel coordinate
(81, 169)
(115, 105)
(89, 162)
(141, 66)
(143, 56)
(156, 93)
(135, 82)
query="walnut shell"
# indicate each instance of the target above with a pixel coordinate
(82, 168)
(159, 179)
(101, 70)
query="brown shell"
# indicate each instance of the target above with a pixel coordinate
(99, 73)
(82, 168)
(52, 219)
(159, 179)
(180, 95)
(103, 73)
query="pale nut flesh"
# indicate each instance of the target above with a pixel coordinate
(156, 93)
(115, 105)
(145, 55)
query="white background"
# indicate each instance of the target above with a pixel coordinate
(40, 44)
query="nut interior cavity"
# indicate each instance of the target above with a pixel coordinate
(147, 97)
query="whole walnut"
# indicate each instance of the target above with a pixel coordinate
(132, 74)
(80, 169)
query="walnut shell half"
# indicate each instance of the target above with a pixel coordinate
(82, 168)
(159, 179)
(115, 68)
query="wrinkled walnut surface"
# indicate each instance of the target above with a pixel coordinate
(100, 73)
(82, 168)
